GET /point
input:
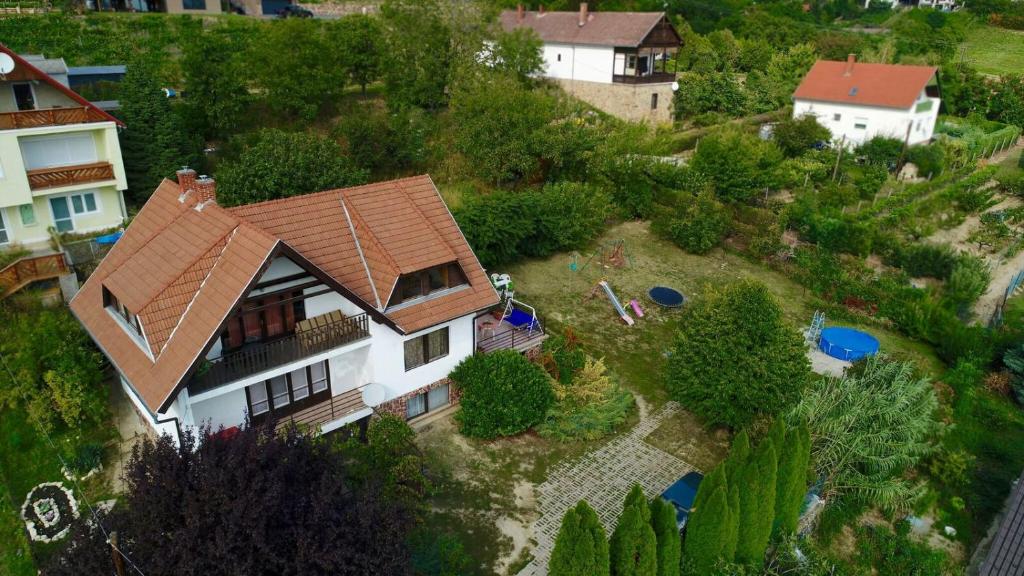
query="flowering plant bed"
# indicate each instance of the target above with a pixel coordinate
(49, 511)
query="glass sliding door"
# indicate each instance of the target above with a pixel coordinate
(61, 214)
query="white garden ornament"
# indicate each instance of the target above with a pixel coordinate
(49, 511)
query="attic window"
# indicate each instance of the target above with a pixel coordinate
(114, 305)
(853, 91)
(424, 282)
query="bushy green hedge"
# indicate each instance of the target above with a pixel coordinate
(503, 394)
(696, 227)
(505, 226)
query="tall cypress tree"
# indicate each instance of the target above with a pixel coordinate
(663, 520)
(711, 528)
(792, 478)
(634, 544)
(154, 142)
(757, 504)
(739, 453)
(581, 547)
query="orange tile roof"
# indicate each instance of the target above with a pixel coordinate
(885, 85)
(183, 270)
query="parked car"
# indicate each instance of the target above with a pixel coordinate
(294, 11)
(681, 494)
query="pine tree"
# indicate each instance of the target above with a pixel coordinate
(757, 504)
(792, 478)
(154, 142)
(581, 547)
(663, 520)
(634, 544)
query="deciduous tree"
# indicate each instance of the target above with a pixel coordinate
(359, 39)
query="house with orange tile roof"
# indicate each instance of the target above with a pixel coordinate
(317, 309)
(620, 62)
(858, 101)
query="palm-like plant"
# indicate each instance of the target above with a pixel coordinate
(868, 429)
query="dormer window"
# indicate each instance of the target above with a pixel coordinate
(425, 282)
(114, 305)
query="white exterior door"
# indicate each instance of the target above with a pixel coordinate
(5, 235)
(62, 220)
(61, 150)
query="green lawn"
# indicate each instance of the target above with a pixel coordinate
(27, 459)
(995, 50)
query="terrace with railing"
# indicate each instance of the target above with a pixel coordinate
(310, 337)
(49, 117)
(58, 176)
(30, 269)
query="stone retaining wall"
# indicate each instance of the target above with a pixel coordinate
(627, 101)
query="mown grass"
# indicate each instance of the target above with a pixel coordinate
(27, 459)
(994, 50)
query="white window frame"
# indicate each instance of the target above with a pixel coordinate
(6, 228)
(71, 206)
(58, 137)
(85, 210)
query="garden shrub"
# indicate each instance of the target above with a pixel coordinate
(505, 226)
(699, 226)
(881, 151)
(870, 180)
(738, 165)
(894, 553)
(86, 457)
(794, 136)
(589, 407)
(1013, 183)
(930, 159)
(967, 282)
(382, 142)
(438, 554)
(563, 356)
(931, 260)
(503, 394)
(706, 372)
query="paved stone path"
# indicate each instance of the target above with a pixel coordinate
(603, 478)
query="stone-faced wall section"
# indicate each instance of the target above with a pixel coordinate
(627, 101)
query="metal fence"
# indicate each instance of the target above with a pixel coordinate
(1015, 283)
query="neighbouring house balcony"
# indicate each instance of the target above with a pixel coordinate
(49, 117)
(518, 330)
(335, 408)
(652, 78)
(60, 176)
(30, 269)
(311, 337)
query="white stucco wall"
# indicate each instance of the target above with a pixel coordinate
(379, 359)
(574, 62)
(841, 120)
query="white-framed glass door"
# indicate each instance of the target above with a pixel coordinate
(61, 211)
(5, 234)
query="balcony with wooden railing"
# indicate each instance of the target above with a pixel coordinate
(59, 176)
(311, 337)
(49, 117)
(30, 269)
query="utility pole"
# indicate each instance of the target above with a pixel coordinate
(906, 143)
(115, 555)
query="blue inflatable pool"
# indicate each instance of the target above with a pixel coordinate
(847, 343)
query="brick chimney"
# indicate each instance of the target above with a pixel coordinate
(206, 190)
(850, 61)
(186, 179)
(520, 11)
(583, 13)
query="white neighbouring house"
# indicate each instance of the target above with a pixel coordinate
(316, 309)
(619, 62)
(859, 101)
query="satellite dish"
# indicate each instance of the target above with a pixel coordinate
(6, 63)
(374, 394)
(675, 86)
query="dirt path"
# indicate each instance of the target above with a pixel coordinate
(1001, 276)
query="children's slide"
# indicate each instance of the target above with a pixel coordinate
(615, 302)
(636, 308)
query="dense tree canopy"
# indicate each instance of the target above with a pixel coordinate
(503, 394)
(735, 357)
(581, 547)
(359, 39)
(278, 164)
(738, 165)
(868, 428)
(253, 503)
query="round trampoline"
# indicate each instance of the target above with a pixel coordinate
(667, 297)
(847, 344)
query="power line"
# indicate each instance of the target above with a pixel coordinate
(74, 478)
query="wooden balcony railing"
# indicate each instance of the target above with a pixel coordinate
(334, 408)
(58, 176)
(25, 271)
(49, 117)
(256, 358)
